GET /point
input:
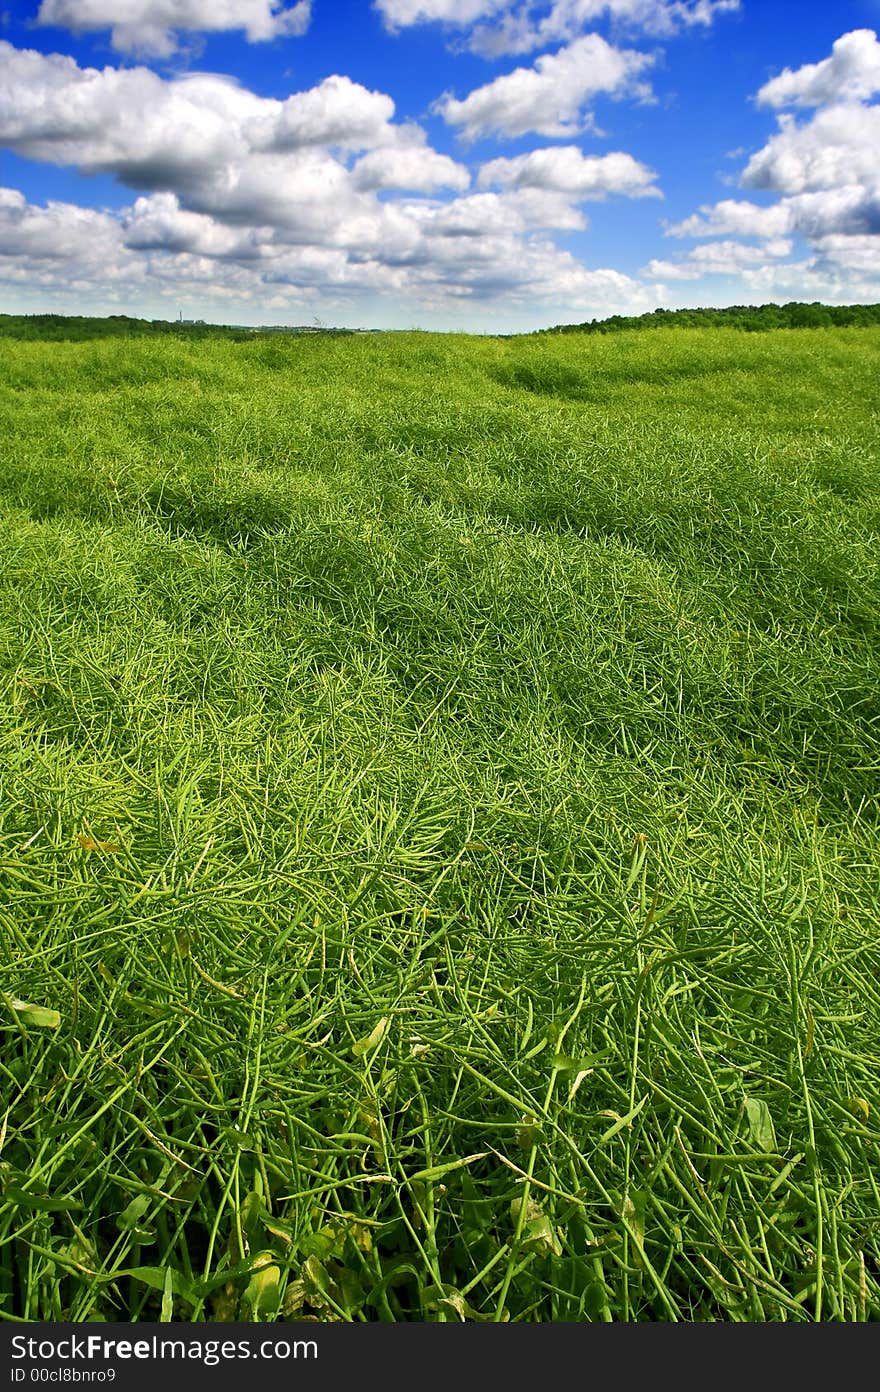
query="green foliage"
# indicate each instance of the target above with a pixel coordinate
(750, 318)
(72, 328)
(438, 828)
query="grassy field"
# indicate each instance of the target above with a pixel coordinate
(438, 796)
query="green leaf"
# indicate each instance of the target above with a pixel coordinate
(632, 1211)
(527, 1133)
(241, 1140)
(563, 1063)
(167, 1297)
(761, 1130)
(253, 1216)
(263, 1292)
(131, 1216)
(538, 1233)
(372, 1040)
(318, 1284)
(158, 1278)
(437, 1171)
(621, 1122)
(350, 1292)
(449, 1298)
(319, 1244)
(40, 1203)
(35, 1014)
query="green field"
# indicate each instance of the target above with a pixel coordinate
(438, 796)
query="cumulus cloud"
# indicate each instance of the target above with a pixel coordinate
(564, 169)
(719, 258)
(837, 146)
(822, 172)
(413, 167)
(825, 169)
(154, 133)
(852, 73)
(219, 149)
(855, 255)
(736, 217)
(336, 112)
(849, 209)
(60, 232)
(127, 122)
(529, 27)
(549, 98)
(475, 250)
(521, 26)
(820, 276)
(153, 27)
(401, 14)
(491, 214)
(67, 256)
(158, 223)
(246, 200)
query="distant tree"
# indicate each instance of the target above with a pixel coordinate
(809, 316)
(746, 318)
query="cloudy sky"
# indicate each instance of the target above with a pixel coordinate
(476, 164)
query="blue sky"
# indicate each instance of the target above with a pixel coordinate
(454, 164)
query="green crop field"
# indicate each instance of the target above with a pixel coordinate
(439, 866)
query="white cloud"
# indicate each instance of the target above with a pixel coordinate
(152, 27)
(306, 195)
(65, 255)
(526, 27)
(158, 223)
(837, 146)
(253, 208)
(336, 112)
(400, 14)
(848, 209)
(824, 173)
(413, 167)
(564, 169)
(737, 218)
(476, 249)
(322, 198)
(546, 208)
(219, 149)
(852, 73)
(481, 215)
(128, 122)
(60, 232)
(250, 201)
(521, 26)
(816, 277)
(825, 170)
(549, 98)
(852, 209)
(849, 256)
(719, 258)
(469, 220)
(153, 133)
(230, 176)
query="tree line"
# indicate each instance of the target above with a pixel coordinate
(751, 318)
(67, 328)
(73, 327)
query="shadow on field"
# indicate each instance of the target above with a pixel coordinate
(549, 377)
(226, 516)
